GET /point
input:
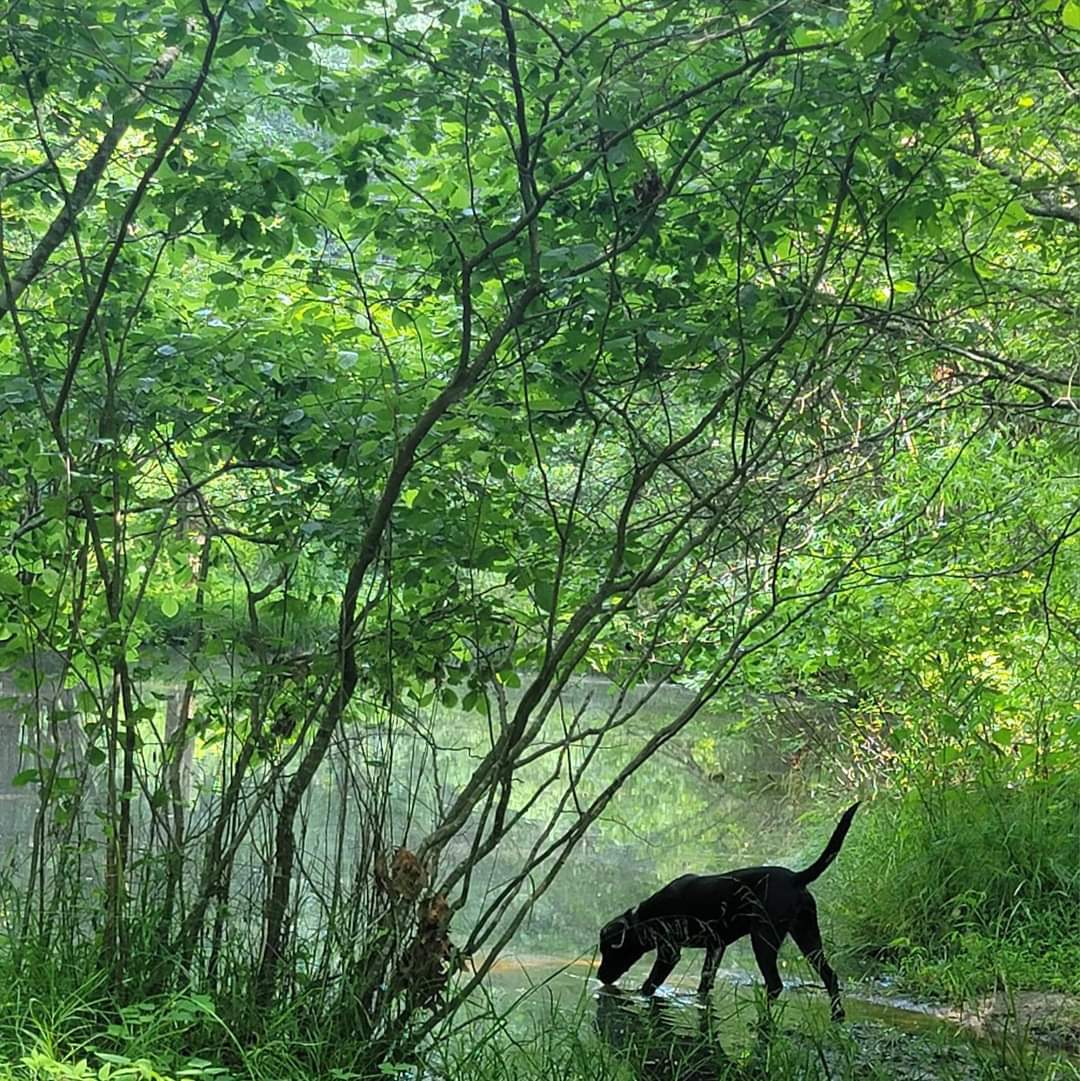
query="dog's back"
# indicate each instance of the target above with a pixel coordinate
(738, 900)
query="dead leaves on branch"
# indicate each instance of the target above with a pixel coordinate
(430, 958)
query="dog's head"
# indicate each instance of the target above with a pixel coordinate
(620, 947)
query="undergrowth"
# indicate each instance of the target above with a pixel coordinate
(71, 1040)
(965, 890)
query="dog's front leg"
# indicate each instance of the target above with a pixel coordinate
(667, 957)
(713, 956)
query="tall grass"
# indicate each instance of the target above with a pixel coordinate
(967, 889)
(79, 1036)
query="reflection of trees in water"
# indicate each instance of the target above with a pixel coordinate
(665, 1040)
(656, 1042)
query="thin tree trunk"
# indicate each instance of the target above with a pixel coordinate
(284, 836)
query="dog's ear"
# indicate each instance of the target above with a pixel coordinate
(613, 935)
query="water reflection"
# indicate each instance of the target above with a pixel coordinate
(662, 1039)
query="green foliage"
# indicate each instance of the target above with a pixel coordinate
(963, 890)
(360, 362)
(931, 667)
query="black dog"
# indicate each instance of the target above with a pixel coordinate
(710, 911)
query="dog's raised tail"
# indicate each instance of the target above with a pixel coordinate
(817, 868)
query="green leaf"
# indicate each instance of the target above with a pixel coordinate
(1071, 15)
(545, 595)
(231, 48)
(25, 777)
(169, 607)
(869, 40)
(902, 285)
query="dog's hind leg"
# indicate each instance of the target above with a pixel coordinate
(807, 937)
(766, 945)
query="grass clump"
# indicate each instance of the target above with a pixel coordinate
(961, 891)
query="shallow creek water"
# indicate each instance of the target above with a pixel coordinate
(538, 985)
(676, 1037)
